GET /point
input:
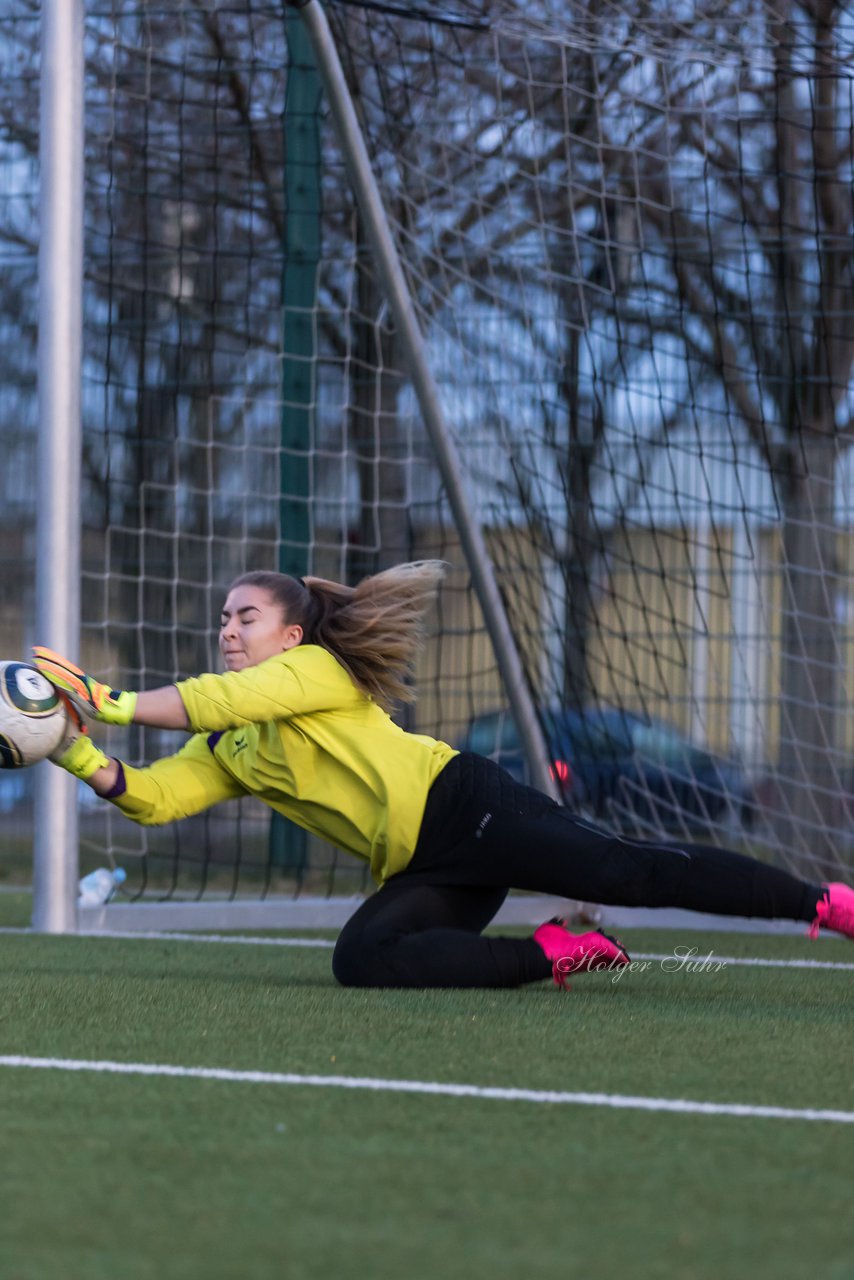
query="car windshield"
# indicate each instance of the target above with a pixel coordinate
(603, 733)
(493, 733)
(599, 733)
(659, 741)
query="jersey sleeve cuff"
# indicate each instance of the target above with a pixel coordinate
(120, 785)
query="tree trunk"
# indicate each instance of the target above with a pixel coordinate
(383, 537)
(810, 811)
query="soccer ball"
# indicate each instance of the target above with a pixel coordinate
(32, 715)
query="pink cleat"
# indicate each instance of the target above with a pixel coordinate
(834, 910)
(578, 952)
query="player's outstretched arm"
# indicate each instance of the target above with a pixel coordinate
(169, 789)
(161, 708)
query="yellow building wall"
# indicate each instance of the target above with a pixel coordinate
(663, 634)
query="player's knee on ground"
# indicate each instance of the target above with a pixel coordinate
(357, 960)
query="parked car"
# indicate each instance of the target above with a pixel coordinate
(495, 735)
(629, 769)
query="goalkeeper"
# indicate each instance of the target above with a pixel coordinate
(300, 719)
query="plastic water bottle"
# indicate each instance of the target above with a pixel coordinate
(99, 886)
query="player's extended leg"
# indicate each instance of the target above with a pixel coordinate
(483, 826)
(426, 935)
(418, 934)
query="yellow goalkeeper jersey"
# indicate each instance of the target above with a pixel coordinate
(297, 733)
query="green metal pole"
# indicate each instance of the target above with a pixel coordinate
(302, 257)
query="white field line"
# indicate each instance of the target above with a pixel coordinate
(626, 1102)
(132, 935)
(683, 958)
(687, 959)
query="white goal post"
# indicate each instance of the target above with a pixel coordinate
(580, 323)
(60, 358)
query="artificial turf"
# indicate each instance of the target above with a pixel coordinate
(108, 1176)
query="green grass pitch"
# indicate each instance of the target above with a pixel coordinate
(125, 1177)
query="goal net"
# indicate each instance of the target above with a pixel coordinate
(627, 238)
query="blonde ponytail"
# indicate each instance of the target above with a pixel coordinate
(376, 628)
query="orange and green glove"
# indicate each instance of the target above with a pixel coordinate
(110, 706)
(77, 752)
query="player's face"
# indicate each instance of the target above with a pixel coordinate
(253, 629)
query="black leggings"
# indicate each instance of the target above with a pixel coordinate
(482, 834)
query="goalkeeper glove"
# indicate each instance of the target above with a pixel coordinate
(77, 752)
(111, 706)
